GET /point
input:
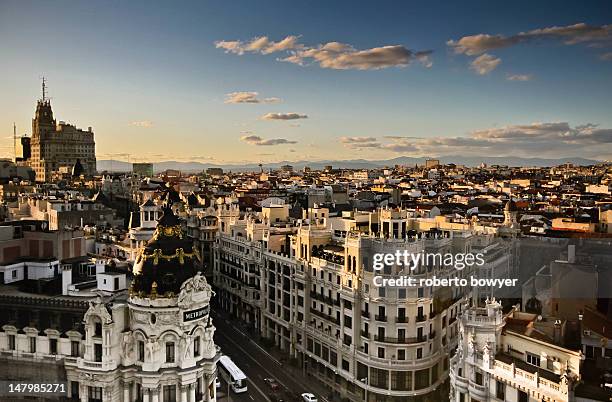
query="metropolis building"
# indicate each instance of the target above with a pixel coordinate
(154, 344)
(308, 287)
(56, 148)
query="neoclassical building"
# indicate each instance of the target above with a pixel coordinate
(517, 357)
(153, 345)
(56, 148)
(308, 287)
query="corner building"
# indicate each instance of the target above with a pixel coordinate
(155, 345)
(309, 289)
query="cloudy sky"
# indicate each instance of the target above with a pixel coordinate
(231, 82)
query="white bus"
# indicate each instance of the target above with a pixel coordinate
(232, 374)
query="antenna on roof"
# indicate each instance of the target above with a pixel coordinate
(15, 141)
(44, 88)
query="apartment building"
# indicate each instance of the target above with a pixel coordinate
(308, 286)
(512, 357)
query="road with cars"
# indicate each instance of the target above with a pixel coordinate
(268, 380)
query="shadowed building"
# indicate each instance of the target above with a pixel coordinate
(56, 147)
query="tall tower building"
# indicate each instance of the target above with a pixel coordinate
(56, 147)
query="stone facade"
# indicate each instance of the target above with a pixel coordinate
(56, 147)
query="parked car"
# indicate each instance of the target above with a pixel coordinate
(272, 383)
(308, 397)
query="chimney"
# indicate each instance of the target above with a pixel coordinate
(66, 279)
(557, 332)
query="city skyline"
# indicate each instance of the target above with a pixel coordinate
(210, 83)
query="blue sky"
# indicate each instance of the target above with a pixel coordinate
(153, 81)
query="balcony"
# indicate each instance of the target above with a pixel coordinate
(401, 320)
(325, 316)
(421, 318)
(365, 314)
(432, 335)
(381, 318)
(365, 334)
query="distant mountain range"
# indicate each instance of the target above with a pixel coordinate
(121, 166)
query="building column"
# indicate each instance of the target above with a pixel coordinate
(126, 392)
(83, 392)
(204, 383)
(192, 392)
(155, 395)
(184, 393)
(145, 395)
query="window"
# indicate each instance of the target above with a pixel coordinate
(98, 329)
(11, 342)
(533, 359)
(169, 352)
(196, 346)
(478, 378)
(98, 352)
(170, 393)
(421, 379)
(74, 348)
(141, 351)
(401, 293)
(345, 365)
(419, 353)
(74, 390)
(381, 353)
(52, 346)
(500, 390)
(95, 394)
(347, 340)
(32, 344)
(401, 354)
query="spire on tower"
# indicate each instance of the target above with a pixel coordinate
(44, 88)
(15, 141)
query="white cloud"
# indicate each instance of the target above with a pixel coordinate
(480, 44)
(248, 97)
(536, 139)
(606, 56)
(519, 77)
(340, 56)
(356, 140)
(333, 55)
(484, 64)
(142, 124)
(283, 116)
(570, 35)
(257, 140)
(259, 44)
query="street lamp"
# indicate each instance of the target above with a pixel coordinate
(367, 383)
